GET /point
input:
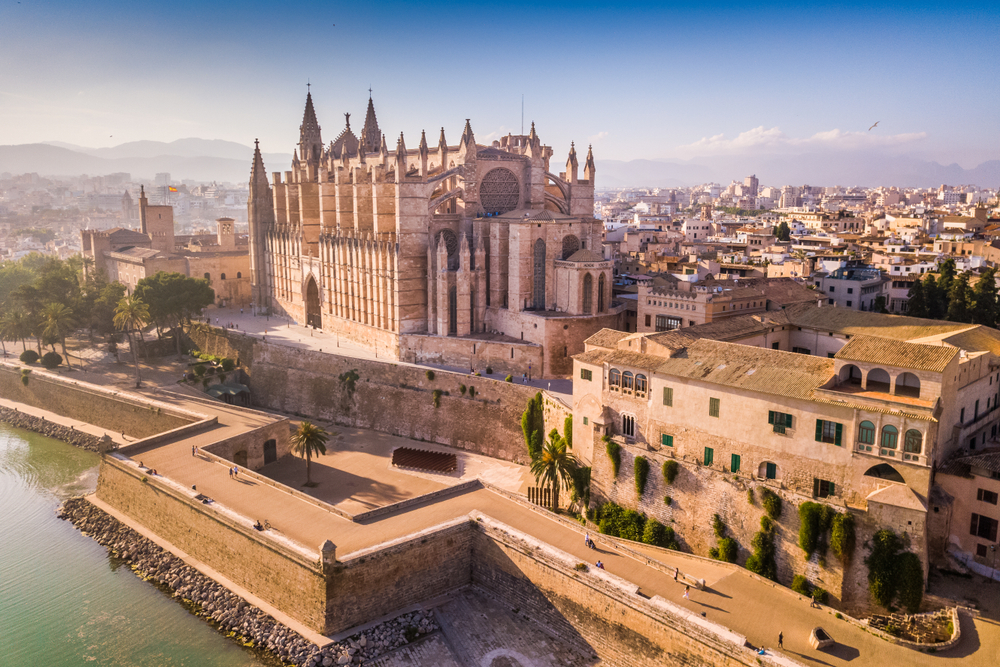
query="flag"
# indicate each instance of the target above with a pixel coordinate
(171, 188)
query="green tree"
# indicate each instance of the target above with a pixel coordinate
(532, 423)
(946, 271)
(309, 440)
(782, 232)
(916, 304)
(59, 322)
(984, 299)
(937, 305)
(172, 299)
(16, 326)
(958, 300)
(102, 313)
(554, 467)
(131, 314)
(879, 305)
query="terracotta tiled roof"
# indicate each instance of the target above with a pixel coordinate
(865, 323)
(898, 495)
(584, 256)
(867, 349)
(606, 338)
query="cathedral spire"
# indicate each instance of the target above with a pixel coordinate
(258, 175)
(423, 142)
(401, 167)
(589, 169)
(371, 131)
(572, 165)
(467, 137)
(423, 152)
(310, 137)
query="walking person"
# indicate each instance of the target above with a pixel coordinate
(781, 638)
(677, 571)
(687, 592)
(192, 450)
(230, 473)
(586, 540)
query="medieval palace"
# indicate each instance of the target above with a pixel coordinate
(458, 254)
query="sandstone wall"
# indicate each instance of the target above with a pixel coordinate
(387, 397)
(283, 577)
(106, 408)
(596, 612)
(504, 357)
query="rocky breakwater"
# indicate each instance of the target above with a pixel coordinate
(230, 613)
(41, 425)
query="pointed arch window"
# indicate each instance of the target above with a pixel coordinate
(588, 294)
(600, 294)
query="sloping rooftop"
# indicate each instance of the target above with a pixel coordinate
(868, 349)
(606, 338)
(898, 495)
(122, 235)
(584, 256)
(866, 323)
(959, 465)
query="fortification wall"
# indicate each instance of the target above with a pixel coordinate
(697, 494)
(386, 397)
(268, 569)
(503, 357)
(109, 409)
(595, 610)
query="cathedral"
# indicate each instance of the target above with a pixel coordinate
(463, 255)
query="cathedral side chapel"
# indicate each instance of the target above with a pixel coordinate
(454, 254)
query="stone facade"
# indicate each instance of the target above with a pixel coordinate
(461, 241)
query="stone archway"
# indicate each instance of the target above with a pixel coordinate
(314, 314)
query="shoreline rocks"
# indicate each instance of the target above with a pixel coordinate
(44, 427)
(230, 613)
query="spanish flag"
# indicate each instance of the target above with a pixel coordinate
(171, 188)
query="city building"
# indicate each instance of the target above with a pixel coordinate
(850, 287)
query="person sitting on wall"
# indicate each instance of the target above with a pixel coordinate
(258, 526)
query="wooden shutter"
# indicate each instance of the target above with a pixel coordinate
(770, 416)
(788, 421)
(819, 430)
(840, 434)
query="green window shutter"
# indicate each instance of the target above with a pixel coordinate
(667, 440)
(735, 464)
(709, 456)
(815, 487)
(770, 416)
(840, 433)
(713, 407)
(771, 471)
(830, 484)
(668, 396)
(788, 421)
(819, 430)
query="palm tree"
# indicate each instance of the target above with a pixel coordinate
(132, 314)
(16, 327)
(555, 465)
(58, 321)
(309, 440)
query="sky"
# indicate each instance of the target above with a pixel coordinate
(672, 80)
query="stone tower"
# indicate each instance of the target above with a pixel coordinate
(260, 214)
(310, 138)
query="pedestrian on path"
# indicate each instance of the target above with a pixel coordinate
(192, 450)
(677, 571)
(236, 472)
(586, 540)
(687, 592)
(600, 565)
(781, 638)
(230, 473)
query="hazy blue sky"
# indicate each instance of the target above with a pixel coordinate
(635, 79)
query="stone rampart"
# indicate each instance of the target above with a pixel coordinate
(111, 409)
(387, 397)
(50, 429)
(503, 357)
(278, 574)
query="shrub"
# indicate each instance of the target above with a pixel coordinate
(771, 502)
(809, 525)
(761, 561)
(882, 562)
(228, 365)
(25, 372)
(581, 485)
(800, 585)
(718, 526)
(911, 582)
(580, 567)
(620, 522)
(222, 378)
(509, 378)
(51, 359)
(489, 370)
(568, 431)
(29, 357)
(653, 533)
(472, 391)
(430, 375)
(199, 370)
(195, 353)
(820, 595)
(728, 549)
(462, 389)
(750, 498)
(668, 500)
(532, 425)
(204, 383)
(478, 374)
(670, 470)
(641, 471)
(411, 633)
(713, 553)
(838, 615)
(436, 397)
(842, 537)
(615, 454)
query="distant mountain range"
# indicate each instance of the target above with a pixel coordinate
(216, 160)
(195, 159)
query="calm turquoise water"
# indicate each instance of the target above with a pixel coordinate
(63, 600)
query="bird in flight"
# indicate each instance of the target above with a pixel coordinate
(874, 126)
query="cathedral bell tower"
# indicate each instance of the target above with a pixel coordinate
(310, 138)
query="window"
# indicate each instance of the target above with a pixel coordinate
(832, 288)
(776, 346)
(710, 456)
(734, 465)
(640, 385)
(648, 319)
(668, 396)
(614, 379)
(850, 290)
(801, 350)
(913, 441)
(667, 440)
(586, 374)
(982, 550)
(829, 301)
(866, 433)
(713, 407)
(822, 488)
(628, 426)
(627, 382)
(984, 527)
(779, 420)
(831, 432)
(222, 276)
(664, 323)
(586, 421)
(889, 437)
(985, 496)
(961, 415)
(767, 470)
(239, 274)
(849, 304)
(208, 276)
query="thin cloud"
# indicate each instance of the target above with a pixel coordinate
(774, 139)
(597, 137)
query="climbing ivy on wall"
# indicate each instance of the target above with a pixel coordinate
(641, 471)
(615, 454)
(533, 426)
(670, 469)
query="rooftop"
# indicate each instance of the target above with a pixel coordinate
(868, 349)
